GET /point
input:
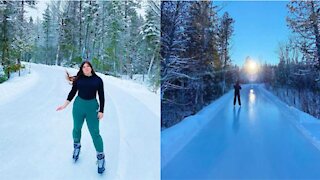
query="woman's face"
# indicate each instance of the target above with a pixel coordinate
(86, 69)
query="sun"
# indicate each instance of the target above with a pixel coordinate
(252, 67)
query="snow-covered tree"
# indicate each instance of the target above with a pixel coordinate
(110, 34)
(151, 33)
(13, 33)
(7, 24)
(304, 21)
(225, 32)
(115, 28)
(174, 64)
(47, 29)
(190, 61)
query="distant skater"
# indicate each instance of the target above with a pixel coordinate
(237, 88)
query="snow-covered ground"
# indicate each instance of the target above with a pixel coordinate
(36, 140)
(143, 80)
(263, 139)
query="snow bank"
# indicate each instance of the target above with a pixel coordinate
(139, 91)
(173, 139)
(16, 85)
(307, 124)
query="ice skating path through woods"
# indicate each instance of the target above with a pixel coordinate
(36, 140)
(257, 141)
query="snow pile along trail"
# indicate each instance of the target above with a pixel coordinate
(263, 139)
(36, 140)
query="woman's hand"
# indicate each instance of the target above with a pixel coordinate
(100, 115)
(60, 108)
(63, 106)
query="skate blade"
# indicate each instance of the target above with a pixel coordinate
(100, 171)
(75, 159)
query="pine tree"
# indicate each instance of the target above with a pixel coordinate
(57, 20)
(174, 62)
(7, 35)
(202, 40)
(225, 32)
(20, 41)
(190, 60)
(113, 46)
(30, 38)
(151, 34)
(46, 24)
(136, 59)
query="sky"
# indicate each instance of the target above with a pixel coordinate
(259, 27)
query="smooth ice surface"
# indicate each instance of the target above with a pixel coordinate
(263, 139)
(36, 140)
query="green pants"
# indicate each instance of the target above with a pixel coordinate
(86, 109)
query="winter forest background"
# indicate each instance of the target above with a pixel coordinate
(196, 67)
(111, 34)
(194, 51)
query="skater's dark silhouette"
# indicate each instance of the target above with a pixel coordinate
(237, 88)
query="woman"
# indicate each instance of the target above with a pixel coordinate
(85, 106)
(237, 88)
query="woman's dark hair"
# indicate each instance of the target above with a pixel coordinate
(80, 73)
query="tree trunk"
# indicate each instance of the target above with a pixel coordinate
(71, 56)
(86, 37)
(150, 65)
(57, 55)
(5, 49)
(21, 34)
(80, 27)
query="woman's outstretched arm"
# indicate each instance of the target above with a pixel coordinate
(71, 94)
(66, 103)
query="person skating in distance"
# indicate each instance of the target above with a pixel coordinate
(86, 106)
(237, 88)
